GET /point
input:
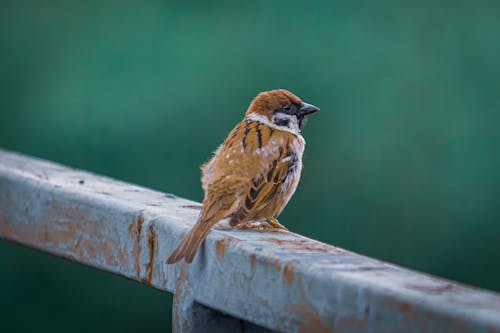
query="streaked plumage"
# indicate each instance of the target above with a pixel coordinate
(254, 173)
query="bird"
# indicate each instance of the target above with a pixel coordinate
(254, 173)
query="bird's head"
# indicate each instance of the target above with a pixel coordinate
(281, 108)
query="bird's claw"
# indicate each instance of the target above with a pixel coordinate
(274, 223)
(271, 223)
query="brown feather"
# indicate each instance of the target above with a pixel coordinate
(249, 177)
(268, 101)
(190, 244)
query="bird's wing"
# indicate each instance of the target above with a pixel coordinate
(266, 185)
(248, 169)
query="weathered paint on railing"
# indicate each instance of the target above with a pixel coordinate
(279, 280)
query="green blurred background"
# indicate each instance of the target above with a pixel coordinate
(402, 163)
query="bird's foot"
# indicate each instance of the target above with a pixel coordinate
(258, 226)
(253, 225)
(274, 223)
(271, 224)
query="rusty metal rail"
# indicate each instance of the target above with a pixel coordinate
(240, 280)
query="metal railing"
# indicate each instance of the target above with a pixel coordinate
(240, 280)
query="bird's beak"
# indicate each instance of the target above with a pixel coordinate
(306, 108)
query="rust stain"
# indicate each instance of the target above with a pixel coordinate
(434, 289)
(268, 262)
(268, 231)
(109, 256)
(492, 329)
(71, 232)
(135, 230)
(288, 274)
(351, 324)
(277, 265)
(3, 225)
(151, 248)
(122, 258)
(140, 222)
(252, 262)
(305, 245)
(402, 307)
(413, 316)
(131, 228)
(179, 294)
(405, 308)
(310, 319)
(222, 244)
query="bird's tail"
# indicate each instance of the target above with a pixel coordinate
(190, 244)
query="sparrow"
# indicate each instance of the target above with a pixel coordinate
(254, 173)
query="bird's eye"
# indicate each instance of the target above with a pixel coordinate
(287, 108)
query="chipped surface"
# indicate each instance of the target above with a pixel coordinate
(279, 280)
